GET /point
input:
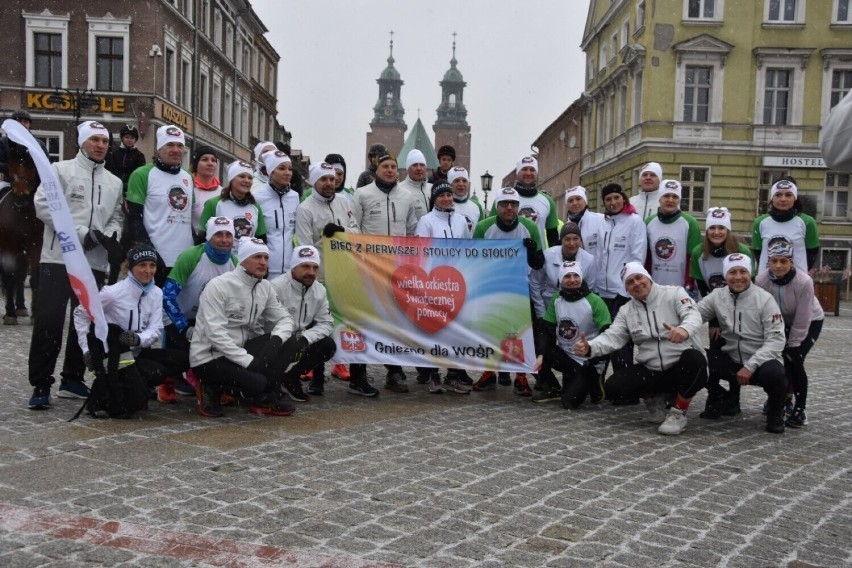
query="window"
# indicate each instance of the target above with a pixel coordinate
(625, 32)
(784, 11)
(47, 49)
(696, 189)
(842, 12)
(696, 96)
(835, 204)
(703, 9)
(229, 41)
(244, 120)
(186, 83)
(255, 113)
(622, 109)
(205, 17)
(170, 87)
(841, 83)
(776, 97)
(637, 98)
(217, 102)
(601, 124)
(602, 55)
(614, 43)
(229, 110)
(203, 96)
(109, 64)
(48, 60)
(52, 141)
(767, 178)
(109, 53)
(640, 15)
(261, 125)
(836, 259)
(217, 28)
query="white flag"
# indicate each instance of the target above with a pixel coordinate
(79, 273)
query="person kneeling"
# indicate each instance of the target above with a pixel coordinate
(230, 348)
(307, 301)
(571, 311)
(663, 323)
(753, 329)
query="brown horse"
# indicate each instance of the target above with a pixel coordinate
(20, 230)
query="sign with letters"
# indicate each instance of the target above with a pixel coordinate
(412, 301)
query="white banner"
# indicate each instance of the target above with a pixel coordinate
(79, 273)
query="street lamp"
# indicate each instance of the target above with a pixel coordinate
(77, 101)
(486, 185)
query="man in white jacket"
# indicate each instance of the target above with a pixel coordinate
(231, 348)
(753, 329)
(94, 198)
(647, 201)
(307, 301)
(415, 182)
(835, 141)
(663, 324)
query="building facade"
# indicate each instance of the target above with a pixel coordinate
(727, 96)
(203, 65)
(560, 155)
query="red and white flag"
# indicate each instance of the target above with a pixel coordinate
(79, 273)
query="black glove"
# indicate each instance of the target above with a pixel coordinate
(535, 258)
(88, 361)
(301, 348)
(92, 239)
(129, 338)
(273, 346)
(188, 332)
(330, 229)
(115, 252)
(793, 355)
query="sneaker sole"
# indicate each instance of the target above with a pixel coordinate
(543, 400)
(69, 394)
(39, 406)
(269, 412)
(364, 394)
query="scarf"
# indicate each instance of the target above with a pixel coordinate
(215, 255)
(575, 294)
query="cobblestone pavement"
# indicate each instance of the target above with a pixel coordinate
(487, 479)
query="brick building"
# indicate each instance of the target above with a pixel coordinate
(201, 64)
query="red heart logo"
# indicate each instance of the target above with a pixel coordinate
(430, 301)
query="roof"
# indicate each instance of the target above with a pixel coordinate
(419, 138)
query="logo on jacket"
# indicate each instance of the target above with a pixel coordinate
(469, 222)
(242, 227)
(352, 340)
(567, 330)
(716, 281)
(664, 248)
(178, 199)
(529, 213)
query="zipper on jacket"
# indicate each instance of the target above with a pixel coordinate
(738, 319)
(92, 210)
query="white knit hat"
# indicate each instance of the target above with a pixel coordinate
(570, 267)
(507, 194)
(670, 187)
(415, 156)
(249, 247)
(304, 254)
(718, 216)
(783, 185)
(218, 224)
(86, 130)
(576, 190)
(457, 172)
(259, 148)
(632, 268)
(237, 168)
(654, 168)
(526, 162)
(320, 170)
(274, 159)
(169, 133)
(734, 260)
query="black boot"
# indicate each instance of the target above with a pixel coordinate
(775, 415)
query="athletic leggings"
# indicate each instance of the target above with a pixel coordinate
(797, 377)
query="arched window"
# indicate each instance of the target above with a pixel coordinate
(452, 100)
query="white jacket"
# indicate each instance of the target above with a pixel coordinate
(643, 323)
(623, 239)
(544, 282)
(279, 216)
(421, 193)
(443, 225)
(752, 325)
(314, 213)
(127, 306)
(233, 309)
(94, 197)
(307, 306)
(390, 213)
(646, 203)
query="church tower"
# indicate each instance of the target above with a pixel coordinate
(388, 125)
(451, 126)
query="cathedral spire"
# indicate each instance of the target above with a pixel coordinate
(388, 109)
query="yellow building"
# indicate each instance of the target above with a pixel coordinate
(727, 95)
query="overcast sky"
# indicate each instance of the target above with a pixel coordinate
(521, 61)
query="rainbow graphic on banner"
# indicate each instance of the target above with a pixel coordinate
(458, 303)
